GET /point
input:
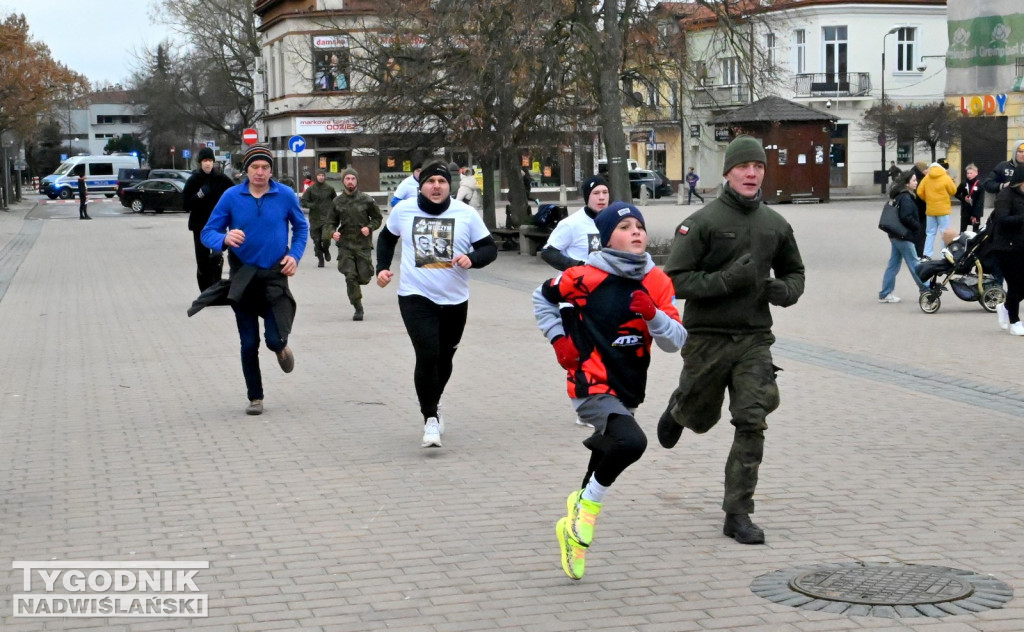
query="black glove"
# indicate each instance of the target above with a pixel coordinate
(778, 293)
(740, 273)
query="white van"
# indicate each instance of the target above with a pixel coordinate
(100, 175)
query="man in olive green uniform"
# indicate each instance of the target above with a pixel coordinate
(353, 218)
(721, 263)
(318, 199)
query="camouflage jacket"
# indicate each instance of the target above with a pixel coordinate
(349, 214)
(317, 199)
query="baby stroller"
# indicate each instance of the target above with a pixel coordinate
(961, 263)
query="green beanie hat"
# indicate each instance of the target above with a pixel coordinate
(349, 170)
(743, 149)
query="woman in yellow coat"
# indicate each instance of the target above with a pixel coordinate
(936, 189)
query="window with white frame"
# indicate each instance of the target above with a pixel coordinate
(906, 49)
(730, 71)
(770, 44)
(834, 50)
(800, 48)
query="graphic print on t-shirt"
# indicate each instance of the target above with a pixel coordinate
(593, 242)
(432, 238)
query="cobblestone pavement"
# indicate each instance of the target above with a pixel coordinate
(124, 437)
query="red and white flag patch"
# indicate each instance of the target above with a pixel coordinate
(683, 229)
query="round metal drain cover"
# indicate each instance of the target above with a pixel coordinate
(879, 586)
(883, 590)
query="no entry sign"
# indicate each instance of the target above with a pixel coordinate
(250, 136)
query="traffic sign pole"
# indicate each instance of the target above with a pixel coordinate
(296, 144)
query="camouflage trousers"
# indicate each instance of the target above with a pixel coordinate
(741, 365)
(357, 266)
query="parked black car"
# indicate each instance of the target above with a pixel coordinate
(131, 177)
(157, 195)
(657, 184)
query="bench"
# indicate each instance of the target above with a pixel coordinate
(533, 238)
(507, 238)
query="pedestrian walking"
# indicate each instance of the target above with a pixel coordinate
(894, 171)
(319, 199)
(919, 169)
(353, 218)
(971, 195)
(1000, 176)
(1008, 246)
(83, 195)
(576, 236)
(721, 263)
(620, 303)
(935, 189)
(691, 182)
(252, 221)
(433, 292)
(903, 194)
(408, 188)
(202, 191)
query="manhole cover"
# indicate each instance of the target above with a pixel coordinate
(883, 590)
(882, 586)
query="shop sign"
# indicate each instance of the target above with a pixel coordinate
(978, 105)
(328, 125)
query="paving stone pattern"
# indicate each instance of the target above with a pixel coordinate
(124, 438)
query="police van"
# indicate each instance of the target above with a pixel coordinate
(100, 175)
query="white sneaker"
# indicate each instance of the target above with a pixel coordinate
(583, 424)
(1004, 317)
(440, 420)
(1017, 329)
(431, 434)
(889, 298)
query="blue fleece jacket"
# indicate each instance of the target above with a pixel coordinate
(265, 223)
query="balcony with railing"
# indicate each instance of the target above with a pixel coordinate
(721, 96)
(834, 84)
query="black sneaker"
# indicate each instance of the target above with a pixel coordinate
(740, 528)
(327, 255)
(669, 430)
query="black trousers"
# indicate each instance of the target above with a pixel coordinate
(435, 331)
(209, 263)
(621, 445)
(1011, 264)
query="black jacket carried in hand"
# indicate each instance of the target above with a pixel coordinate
(201, 194)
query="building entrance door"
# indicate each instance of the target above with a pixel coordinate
(837, 175)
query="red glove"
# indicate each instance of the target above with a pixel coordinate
(566, 352)
(643, 304)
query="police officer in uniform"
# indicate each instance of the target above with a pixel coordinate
(729, 261)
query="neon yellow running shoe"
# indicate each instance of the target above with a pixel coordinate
(573, 555)
(582, 516)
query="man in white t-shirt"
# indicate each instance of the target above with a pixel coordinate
(441, 240)
(576, 236)
(407, 188)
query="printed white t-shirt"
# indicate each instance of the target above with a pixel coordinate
(429, 243)
(408, 188)
(576, 236)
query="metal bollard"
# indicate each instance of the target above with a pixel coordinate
(643, 196)
(683, 188)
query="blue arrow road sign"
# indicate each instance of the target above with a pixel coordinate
(296, 143)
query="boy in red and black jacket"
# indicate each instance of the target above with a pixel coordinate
(618, 304)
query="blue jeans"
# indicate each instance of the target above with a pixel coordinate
(900, 250)
(933, 225)
(249, 335)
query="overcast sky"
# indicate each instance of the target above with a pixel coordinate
(96, 38)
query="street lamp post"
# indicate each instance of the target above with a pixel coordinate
(882, 140)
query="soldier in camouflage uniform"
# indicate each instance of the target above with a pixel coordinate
(722, 263)
(353, 218)
(318, 199)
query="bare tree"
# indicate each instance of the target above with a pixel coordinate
(489, 76)
(217, 74)
(931, 124)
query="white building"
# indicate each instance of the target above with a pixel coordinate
(828, 55)
(97, 118)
